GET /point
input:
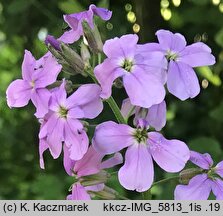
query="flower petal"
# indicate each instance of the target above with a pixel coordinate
(78, 193)
(77, 142)
(182, 81)
(28, 66)
(127, 107)
(113, 161)
(55, 135)
(106, 73)
(68, 163)
(156, 116)
(43, 146)
(58, 98)
(219, 169)
(143, 89)
(103, 13)
(197, 54)
(70, 36)
(111, 137)
(89, 163)
(40, 99)
(198, 188)
(49, 72)
(124, 47)
(149, 47)
(170, 155)
(18, 93)
(137, 172)
(217, 188)
(87, 97)
(169, 41)
(202, 160)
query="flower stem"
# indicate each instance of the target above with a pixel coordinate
(165, 180)
(113, 105)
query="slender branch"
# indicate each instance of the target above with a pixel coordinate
(113, 105)
(165, 180)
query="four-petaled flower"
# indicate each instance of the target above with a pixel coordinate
(75, 22)
(200, 186)
(37, 75)
(142, 74)
(181, 78)
(138, 172)
(62, 123)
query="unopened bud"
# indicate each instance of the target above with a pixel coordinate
(95, 179)
(72, 58)
(85, 54)
(52, 41)
(118, 83)
(188, 174)
(106, 194)
(93, 37)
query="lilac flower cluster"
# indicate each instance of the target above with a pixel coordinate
(144, 70)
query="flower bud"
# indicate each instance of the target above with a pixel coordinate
(93, 37)
(95, 179)
(118, 83)
(85, 54)
(72, 58)
(50, 40)
(106, 194)
(188, 174)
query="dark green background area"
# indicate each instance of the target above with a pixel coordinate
(198, 122)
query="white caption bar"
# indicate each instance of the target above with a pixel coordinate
(117, 207)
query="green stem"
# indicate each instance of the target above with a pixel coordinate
(99, 58)
(113, 105)
(165, 180)
(111, 102)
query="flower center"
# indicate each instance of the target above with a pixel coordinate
(32, 83)
(63, 112)
(171, 55)
(127, 65)
(141, 135)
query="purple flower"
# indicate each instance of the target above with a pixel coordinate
(37, 75)
(155, 116)
(75, 22)
(90, 164)
(62, 122)
(138, 172)
(200, 186)
(181, 78)
(142, 74)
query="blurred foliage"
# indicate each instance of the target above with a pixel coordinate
(24, 25)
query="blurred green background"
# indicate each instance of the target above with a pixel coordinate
(24, 25)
